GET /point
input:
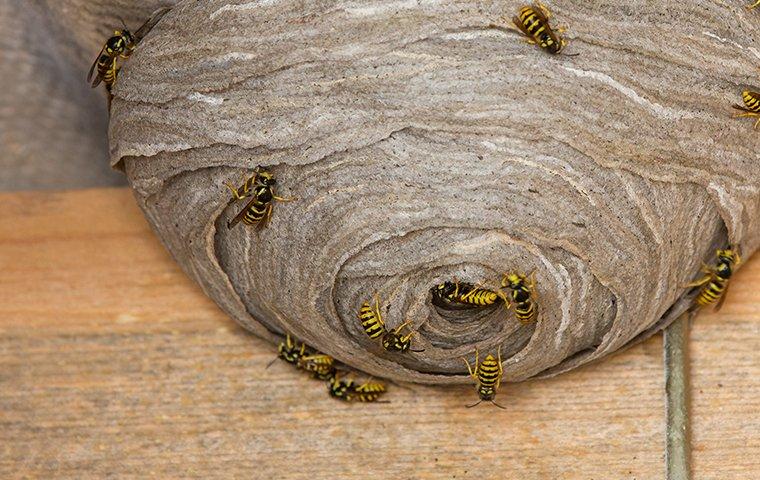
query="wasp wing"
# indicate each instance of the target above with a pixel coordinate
(722, 298)
(98, 79)
(518, 24)
(370, 387)
(240, 215)
(150, 23)
(318, 358)
(739, 107)
(265, 219)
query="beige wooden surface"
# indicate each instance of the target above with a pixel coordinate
(113, 364)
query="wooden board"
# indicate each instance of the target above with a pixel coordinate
(112, 363)
(725, 363)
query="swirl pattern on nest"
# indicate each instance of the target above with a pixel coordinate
(425, 143)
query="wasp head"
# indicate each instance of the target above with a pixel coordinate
(291, 351)
(396, 342)
(445, 289)
(513, 281)
(339, 388)
(266, 178)
(728, 255)
(486, 393)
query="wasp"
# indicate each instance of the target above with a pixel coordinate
(715, 282)
(258, 211)
(348, 391)
(754, 5)
(120, 45)
(446, 295)
(523, 293)
(533, 22)
(321, 366)
(478, 296)
(488, 375)
(290, 351)
(751, 101)
(466, 294)
(374, 327)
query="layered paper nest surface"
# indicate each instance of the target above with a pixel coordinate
(426, 141)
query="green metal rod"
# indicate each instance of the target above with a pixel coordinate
(678, 430)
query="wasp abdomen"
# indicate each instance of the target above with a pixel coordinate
(751, 100)
(371, 321)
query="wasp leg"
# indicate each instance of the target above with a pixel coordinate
(234, 191)
(501, 370)
(398, 329)
(750, 114)
(377, 311)
(284, 199)
(503, 297)
(754, 5)
(699, 282)
(469, 369)
(243, 190)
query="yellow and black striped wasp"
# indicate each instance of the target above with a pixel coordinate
(533, 22)
(716, 279)
(751, 106)
(320, 365)
(348, 391)
(374, 327)
(446, 294)
(296, 353)
(258, 211)
(290, 351)
(120, 45)
(523, 295)
(465, 293)
(487, 374)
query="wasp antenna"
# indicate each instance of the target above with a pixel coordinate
(270, 363)
(494, 402)
(418, 351)
(474, 404)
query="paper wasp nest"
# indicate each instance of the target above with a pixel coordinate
(425, 141)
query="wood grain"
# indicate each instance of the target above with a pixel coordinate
(725, 351)
(112, 363)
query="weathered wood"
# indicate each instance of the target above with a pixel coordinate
(426, 141)
(113, 363)
(725, 367)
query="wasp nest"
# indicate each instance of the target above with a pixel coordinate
(426, 141)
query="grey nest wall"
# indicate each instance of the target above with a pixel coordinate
(426, 140)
